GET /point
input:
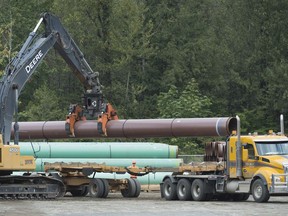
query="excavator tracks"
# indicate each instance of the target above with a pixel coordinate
(30, 187)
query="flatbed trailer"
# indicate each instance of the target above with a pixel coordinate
(81, 178)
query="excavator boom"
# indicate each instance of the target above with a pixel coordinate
(21, 68)
(17, 73)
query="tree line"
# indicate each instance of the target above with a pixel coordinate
(161, 59)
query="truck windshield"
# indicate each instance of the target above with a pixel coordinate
(272, 148)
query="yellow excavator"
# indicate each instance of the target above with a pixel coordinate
(17, 73)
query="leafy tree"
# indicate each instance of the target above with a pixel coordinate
(259, 49)
(168, 58)
(6, 27)
(130, 41)
(189, 103)
(43, 106)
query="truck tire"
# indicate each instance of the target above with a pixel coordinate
(260, 191)
(138, 188)
(96, 188)
(184, 190)
(197, 190)
(169, 190)
(131, 190)
(106, 188)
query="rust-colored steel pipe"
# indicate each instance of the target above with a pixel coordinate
(131, 128)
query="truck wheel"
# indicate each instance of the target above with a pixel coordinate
(131, 190)
(184, 189)
(138, 188)
(96, 188)
(197, 190)
(259, 191)
(169, 190)
(106, 188)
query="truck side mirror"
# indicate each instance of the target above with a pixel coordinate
(245, 154)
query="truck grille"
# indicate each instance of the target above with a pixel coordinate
(280, 181)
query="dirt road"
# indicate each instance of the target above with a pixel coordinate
(146, 204)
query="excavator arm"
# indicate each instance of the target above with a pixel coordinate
(21, 68)
(94, 105)
(71, 53)
(17, 73)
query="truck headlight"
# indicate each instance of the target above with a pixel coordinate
(277, 179)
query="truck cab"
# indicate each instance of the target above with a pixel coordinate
(264, 164)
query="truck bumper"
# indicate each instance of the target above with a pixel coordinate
(279, 184)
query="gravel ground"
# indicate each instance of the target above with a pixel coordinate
(146, 204)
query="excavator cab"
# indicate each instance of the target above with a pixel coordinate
(10, 159)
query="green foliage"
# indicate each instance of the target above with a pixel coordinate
(165, 58)
(189, 103)
(6, 25)
(186, 104)
(45, 106)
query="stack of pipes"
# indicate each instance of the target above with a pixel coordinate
(128, 128)
(110, 153)
(215, 151)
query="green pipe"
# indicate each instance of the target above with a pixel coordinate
(140, 162)
(98, 150)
